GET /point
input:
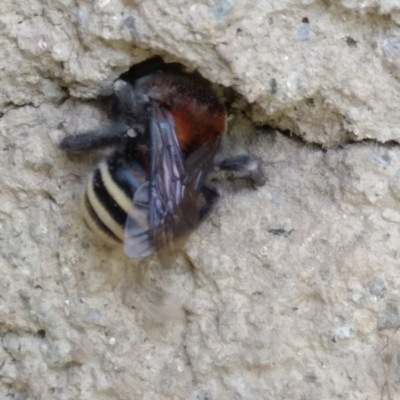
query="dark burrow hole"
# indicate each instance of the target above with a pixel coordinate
(351, 42)
(41, 333)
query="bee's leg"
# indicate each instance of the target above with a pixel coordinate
(131, 103)
(111, 134)
(210, 196)
(244, 167)
(129, 114)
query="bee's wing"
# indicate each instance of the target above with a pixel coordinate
(174, 185)
(138, 240)
(200, 162)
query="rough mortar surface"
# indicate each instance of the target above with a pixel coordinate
(326, 70)
(290, 291)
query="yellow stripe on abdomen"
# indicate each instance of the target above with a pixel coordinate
(114, 190)
(102, 212)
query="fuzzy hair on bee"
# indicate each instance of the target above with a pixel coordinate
(149, 193)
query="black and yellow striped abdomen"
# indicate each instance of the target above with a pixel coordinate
(108, 196)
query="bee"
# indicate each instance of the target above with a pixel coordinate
(149, 193)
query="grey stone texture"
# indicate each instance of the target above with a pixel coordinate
(289, 291)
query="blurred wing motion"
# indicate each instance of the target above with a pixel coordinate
(138, 241)
(175, 184)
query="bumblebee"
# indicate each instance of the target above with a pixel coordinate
(149, 193)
